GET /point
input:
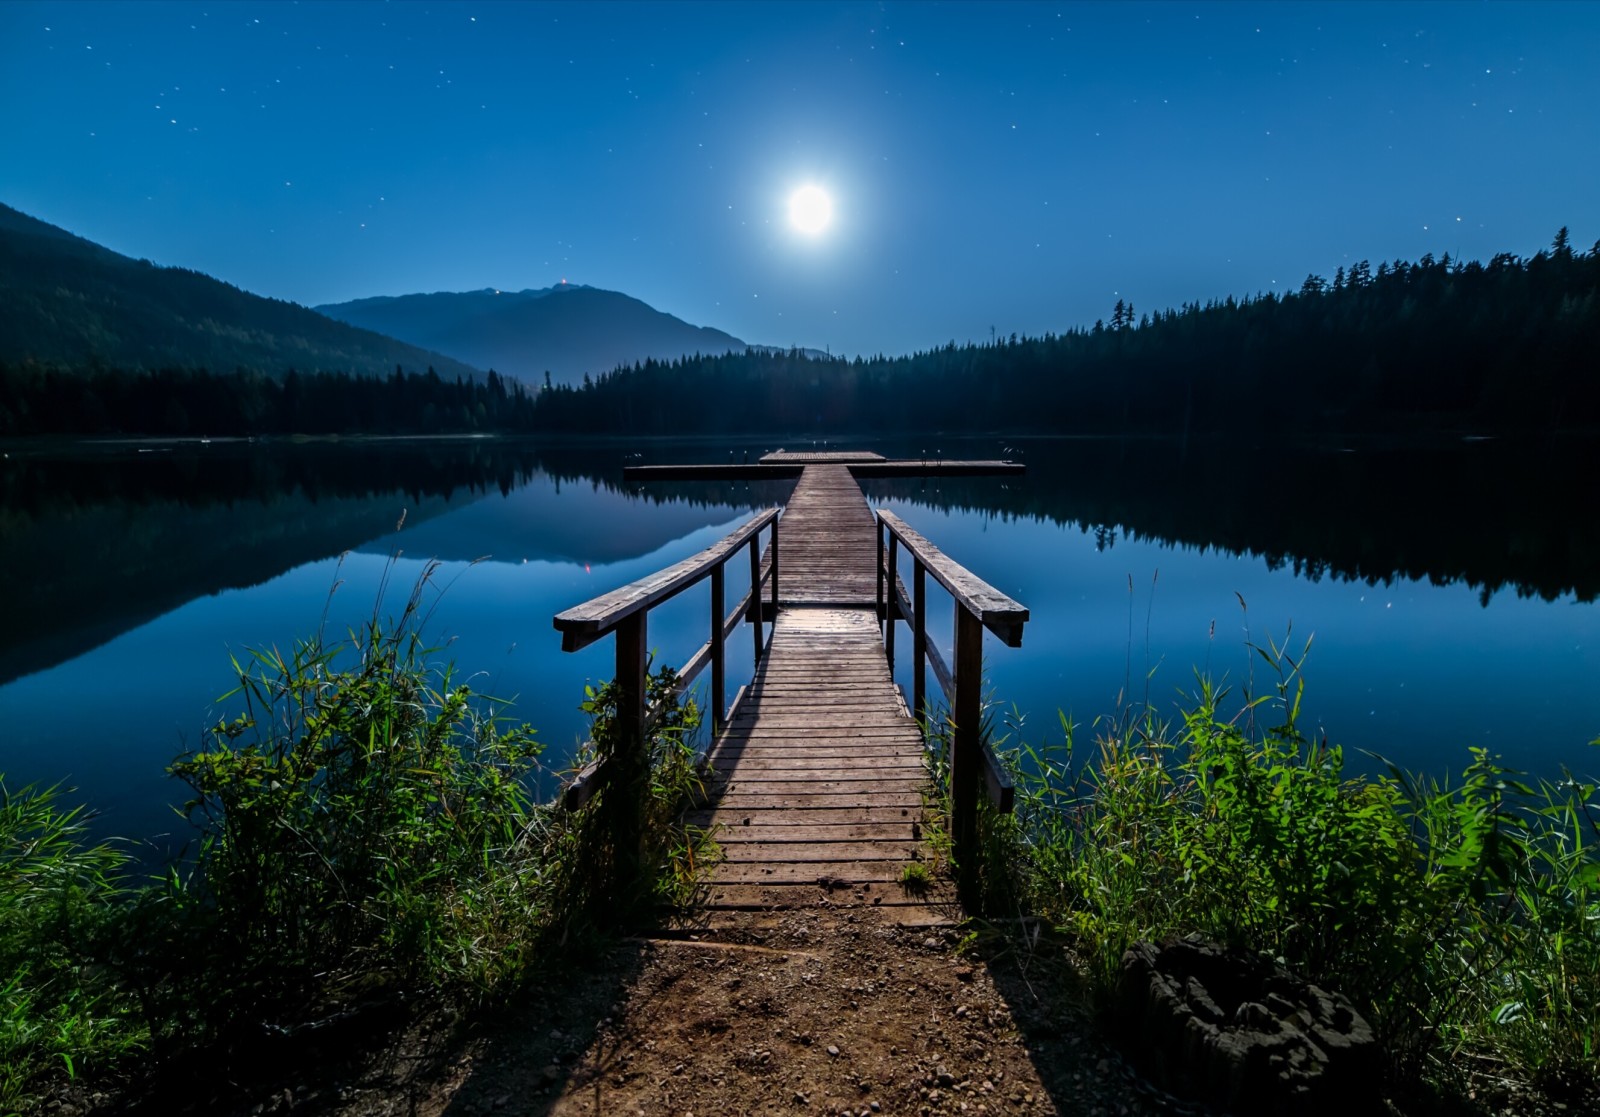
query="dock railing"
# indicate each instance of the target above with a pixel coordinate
(978, 606)
(625, 612)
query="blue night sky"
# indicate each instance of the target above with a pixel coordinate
(1019, 167)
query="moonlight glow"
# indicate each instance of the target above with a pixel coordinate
(810, 210)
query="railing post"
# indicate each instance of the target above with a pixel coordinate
(773, 551)
(893, 607)
(719, 670)
(755, 591)
(919, 643)
(631, 781)
(883, 612)
(966, 754)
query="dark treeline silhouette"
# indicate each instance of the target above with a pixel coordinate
(43, 399)
(98, 540)
(1510, 345)
(1492, 514)
(1513, 344)
(103, 538)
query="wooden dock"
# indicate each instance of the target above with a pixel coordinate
(817, 776)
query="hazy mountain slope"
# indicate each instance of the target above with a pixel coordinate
(568, 330)
(70, 301)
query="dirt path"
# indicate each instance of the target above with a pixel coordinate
(820, 1012)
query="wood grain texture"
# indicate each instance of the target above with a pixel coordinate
(816, 785)
(830, 547)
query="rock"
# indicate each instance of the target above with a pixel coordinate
(832, 1050)
(1237, 1031)
(551, 1072)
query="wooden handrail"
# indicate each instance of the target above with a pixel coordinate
(978, 605)
(997, 612)
(625, 611)
(583, 624)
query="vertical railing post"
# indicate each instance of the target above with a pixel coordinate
(755, 591)
(883, 612)
(631, 780)
(892, 598)
(773, 551)
(966, 753)
(919, 643)
(719, 667)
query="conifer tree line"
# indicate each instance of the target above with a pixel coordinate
(43, 399)
(1508, 345)
(1513, 344)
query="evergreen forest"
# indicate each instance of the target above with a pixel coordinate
(1511, 345)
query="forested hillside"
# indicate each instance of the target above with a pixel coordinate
(1508, 345)
(72, 304)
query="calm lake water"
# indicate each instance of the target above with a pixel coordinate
(1450, 587)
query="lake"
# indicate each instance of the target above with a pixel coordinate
(1450, 587)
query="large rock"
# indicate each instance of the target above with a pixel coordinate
(1237, 1031)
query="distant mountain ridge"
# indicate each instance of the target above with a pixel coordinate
(568, 330)
(68, 301)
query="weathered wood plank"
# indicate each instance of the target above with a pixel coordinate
(850, 815)
(799, 853)
(811, 872)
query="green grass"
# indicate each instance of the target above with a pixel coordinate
(59, 902)
(365, 832)
(1463, 915)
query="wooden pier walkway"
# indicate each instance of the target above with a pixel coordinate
(817, 775)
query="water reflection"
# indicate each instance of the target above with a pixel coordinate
(135, 569)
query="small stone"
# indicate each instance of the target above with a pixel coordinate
(832, 1050)
(874, 1106)
(930, 943)
(551, 1072)
(961, 1011)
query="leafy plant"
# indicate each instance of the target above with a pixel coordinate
(365, 819)
(1465, 918)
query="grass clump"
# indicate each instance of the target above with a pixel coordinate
(368, 836)
(1463, 916)
(365, 821)
(60, 900)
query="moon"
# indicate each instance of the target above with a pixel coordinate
(810, 210)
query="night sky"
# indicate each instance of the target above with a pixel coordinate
(1015, 167)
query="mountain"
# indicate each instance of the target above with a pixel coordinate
(68, 301)
(567, 330)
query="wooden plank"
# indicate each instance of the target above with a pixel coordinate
(889, 898)
(741, 800)
(768, 763)
(810, 872)
(776, 833)
(799, 853)
(849, 815)
(813, 457)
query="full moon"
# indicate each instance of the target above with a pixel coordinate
(810, 210)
